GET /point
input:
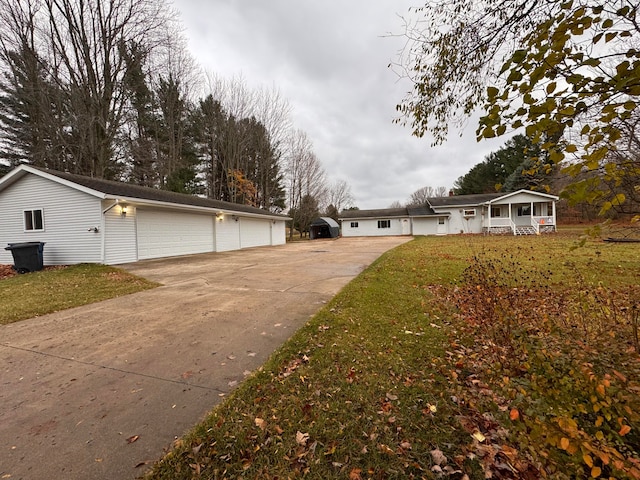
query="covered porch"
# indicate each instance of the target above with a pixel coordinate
(521, 214)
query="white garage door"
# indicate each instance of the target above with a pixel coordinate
(166, 234)
(254, 233)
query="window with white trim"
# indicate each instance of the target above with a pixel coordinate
(354, 224)
(469, 212)
(384, 223)
(496, 212)
(33, 220)
(524, 211)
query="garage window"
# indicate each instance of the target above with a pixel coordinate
(354, 224)
(384, 223)
(33, 220)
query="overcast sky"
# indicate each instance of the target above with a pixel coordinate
(330, 60)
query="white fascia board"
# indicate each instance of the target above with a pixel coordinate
(141, 202)
(22, 170)
(530, 192)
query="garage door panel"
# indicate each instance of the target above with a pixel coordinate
(254, 233)
(165, 233)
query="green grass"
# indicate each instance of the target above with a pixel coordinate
(392, 373)
(38, 293)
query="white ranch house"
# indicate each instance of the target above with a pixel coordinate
(89, 220)
(523, 212)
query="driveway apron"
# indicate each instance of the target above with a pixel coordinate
(102, 391)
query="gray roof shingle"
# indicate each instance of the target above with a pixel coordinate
(129, 190)
(383, 212)
(460, 200)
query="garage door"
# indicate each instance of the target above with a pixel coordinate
(166, 234)
(254, 233)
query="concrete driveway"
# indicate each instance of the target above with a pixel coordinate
(101, 391)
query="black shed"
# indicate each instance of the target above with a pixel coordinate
(324, 227)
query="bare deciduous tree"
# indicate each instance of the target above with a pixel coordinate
(420, 196)
(339, 195)
(81, 46)
(305, 175)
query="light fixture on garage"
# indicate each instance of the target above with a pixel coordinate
(219, 216)
(235, 218)
(123, 210)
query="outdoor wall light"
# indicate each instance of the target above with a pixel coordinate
(235, 218)
(220, 216)
(123, 210)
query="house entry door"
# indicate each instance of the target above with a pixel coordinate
(406, 230)
(442, 226)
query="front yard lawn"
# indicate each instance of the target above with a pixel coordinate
(452, 357)
(32, 294)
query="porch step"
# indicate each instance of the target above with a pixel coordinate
(525, 230)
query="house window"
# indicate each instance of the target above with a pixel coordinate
(470, 212)
(524, 211)
(384, 223)
(496, 211)
(354, 224)
(33, 220)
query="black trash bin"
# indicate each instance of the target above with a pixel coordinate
(27, 256)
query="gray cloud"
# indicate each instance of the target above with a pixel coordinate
(329, 59)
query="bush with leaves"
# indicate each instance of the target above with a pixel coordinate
(561, 359)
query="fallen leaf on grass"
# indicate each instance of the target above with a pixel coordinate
(405, 445)
(384, 449)
(438, 457)
(302, 438)
(355, 474)
(133, 438)
(624, 430)
(479, 436)
(260, 423)
(514, 414)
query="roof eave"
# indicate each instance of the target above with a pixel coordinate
(22, 170)
(182, 206)
(517, 192)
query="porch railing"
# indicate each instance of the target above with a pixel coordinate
(536, 223)
(500, 222)
(541, 221)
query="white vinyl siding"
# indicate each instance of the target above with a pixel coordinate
(163, 233)
(254, 232)
(369, 227)
(69, 216)
(120, 245)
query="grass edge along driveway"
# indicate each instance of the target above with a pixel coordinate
(396, 379)
(51, 290)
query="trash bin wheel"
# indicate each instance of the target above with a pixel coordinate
(22, 270)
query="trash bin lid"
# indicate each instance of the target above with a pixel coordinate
(13, 246)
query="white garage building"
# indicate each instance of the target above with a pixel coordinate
(89, 220)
